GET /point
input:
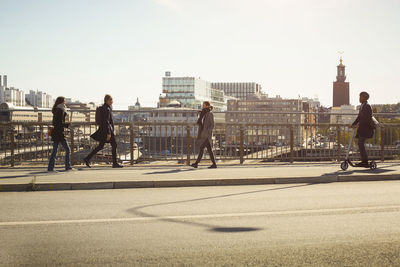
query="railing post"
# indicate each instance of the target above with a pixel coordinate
(72, 145)
(131, 143)
(291, 144)
(382, 144)
(12, 144)
(241, 144)
(338, 141)
(188, 152)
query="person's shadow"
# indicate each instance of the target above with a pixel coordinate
(210, 227)
(169, 171)
(359, 170)
(30, 174)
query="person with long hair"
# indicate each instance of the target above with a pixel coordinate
(204, 137)
(57, 136)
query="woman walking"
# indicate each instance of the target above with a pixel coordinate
(204, 137)
(57, 136)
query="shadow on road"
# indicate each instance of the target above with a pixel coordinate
(359, 170)
(234, 229)
(29, 174)
(169, 171)
(212, 228)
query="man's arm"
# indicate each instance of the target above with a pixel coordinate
(104, 120)
(209, 123)
(368, 112)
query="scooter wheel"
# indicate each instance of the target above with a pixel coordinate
(344, 165)
(372, 165)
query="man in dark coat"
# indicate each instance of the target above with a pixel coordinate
(204, 137)
(365, 127)
(105, 133)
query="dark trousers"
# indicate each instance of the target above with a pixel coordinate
(361, 147)
(207, 145)
(101, 146)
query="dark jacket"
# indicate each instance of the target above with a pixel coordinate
(364, 121)
(59, 125)
(106, 126)
(206, 127)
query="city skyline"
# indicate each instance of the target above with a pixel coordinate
(83, 51)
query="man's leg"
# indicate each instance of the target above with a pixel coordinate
(67, 154)
(200, 156)
(361, 147)
(97, 149)
(53, 157)
(114, 149)
(210, 152)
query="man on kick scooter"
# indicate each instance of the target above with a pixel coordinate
(365, 129)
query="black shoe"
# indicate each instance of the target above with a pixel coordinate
(214, 166)
(194, 165)
(87, 162)
(116, 165)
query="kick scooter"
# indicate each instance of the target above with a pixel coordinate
(345, 164)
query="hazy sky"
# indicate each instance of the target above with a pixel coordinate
(83, 49)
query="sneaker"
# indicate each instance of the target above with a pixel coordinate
(87, 162)
(194, 165)
(52, 171)
(70, 169)
(117, 166)
(214, 166)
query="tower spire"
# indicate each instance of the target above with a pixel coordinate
(341, 88)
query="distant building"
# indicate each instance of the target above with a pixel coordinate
(11, 95)
(2, 89)
(14, 96)
(82, 112)
(347, 117)
(324, 115)
(267, 110)
(138, 113)
(341, 88)
(11, 113)
(39, 99)
(190, 92)
(240, 90)
(167, 132)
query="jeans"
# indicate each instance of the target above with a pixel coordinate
(361, 147)
(54, 153)
(207, 145)
(101, 146)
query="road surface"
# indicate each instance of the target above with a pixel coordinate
(338, 224)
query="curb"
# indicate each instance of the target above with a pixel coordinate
(192, 183)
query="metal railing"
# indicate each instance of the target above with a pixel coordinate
(28, 142)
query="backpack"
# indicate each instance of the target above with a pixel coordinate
(98, 115)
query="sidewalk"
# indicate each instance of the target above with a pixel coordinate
(149, 175)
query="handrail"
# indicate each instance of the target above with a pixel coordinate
(216, 112)
(140, 123)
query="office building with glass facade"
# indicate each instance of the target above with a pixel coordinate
(240, 90)
(190, 92)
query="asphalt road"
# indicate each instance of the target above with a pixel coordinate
(339, 224)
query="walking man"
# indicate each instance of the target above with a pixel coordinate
(204, 137)
(365, 129)
(105, 133)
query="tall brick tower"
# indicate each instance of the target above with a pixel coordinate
(341, 88)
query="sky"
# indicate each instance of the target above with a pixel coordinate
(85, 48)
